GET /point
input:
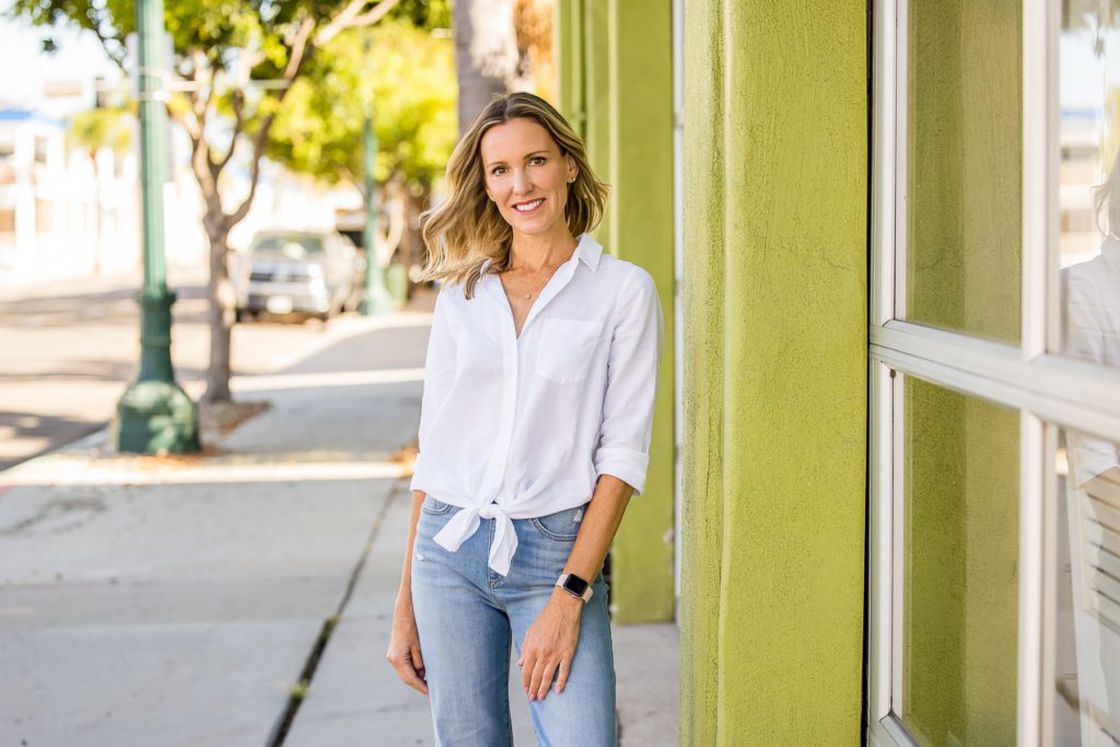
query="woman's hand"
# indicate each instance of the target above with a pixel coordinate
(404, 647)
(550, 645)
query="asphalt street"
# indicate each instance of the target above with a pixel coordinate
(71, 348)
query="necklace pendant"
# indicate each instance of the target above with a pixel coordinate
(527, 295)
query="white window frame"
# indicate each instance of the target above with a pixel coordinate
(1050, 391)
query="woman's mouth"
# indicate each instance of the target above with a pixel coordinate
(530, 206)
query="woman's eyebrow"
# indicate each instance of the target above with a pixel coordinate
(527, 155)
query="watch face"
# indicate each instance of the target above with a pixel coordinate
(575, 584)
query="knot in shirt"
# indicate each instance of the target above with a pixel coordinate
(465, 523)
(491, 511)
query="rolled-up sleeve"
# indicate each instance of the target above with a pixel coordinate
(624, 438)
(439, 375)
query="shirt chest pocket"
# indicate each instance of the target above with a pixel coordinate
(565, 349)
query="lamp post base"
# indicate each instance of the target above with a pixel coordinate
(156, 417)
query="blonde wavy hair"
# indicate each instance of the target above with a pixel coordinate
(466, 230)
(1106, 202)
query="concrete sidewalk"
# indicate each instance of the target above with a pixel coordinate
(179, 601)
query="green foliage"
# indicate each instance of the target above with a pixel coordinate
(407, 74)
(402, 74)
(217, 30)
(424, 14)
(94, 129)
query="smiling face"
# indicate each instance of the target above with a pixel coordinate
(527, 177)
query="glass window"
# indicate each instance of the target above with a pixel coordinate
(948, 559)
(963, 167)
(1088, 255)
(960, 567)
(1087, 651)
(291, 246)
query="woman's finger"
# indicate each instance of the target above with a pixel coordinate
(402, 663)
(417, 659)
(527, 662)
(562, 675)
(546, 680)
(413, 680)
(535, 681)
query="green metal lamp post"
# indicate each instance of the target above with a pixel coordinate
(376, 298)
(154, 414)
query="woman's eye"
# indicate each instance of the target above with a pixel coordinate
(536, 160)
(498, 170)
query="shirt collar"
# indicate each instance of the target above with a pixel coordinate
(1110, 250)
(588, 251)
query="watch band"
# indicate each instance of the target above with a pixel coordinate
(575, 586)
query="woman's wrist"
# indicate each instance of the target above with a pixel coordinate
(566, 600)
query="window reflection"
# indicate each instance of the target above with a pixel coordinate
(963, 216)
(960, 551)
(1088, 660)
(1089, 181)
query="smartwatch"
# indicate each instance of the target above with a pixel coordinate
(575, 586)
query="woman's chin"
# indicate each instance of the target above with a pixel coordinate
(534, 225)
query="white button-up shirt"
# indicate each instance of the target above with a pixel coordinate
(1092, 323)
(513, 427)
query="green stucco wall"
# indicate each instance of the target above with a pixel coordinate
(775, 287)
(615, 58)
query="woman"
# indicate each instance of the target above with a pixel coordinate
(534, 433)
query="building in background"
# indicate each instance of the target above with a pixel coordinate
(69, 212)
(63, 213)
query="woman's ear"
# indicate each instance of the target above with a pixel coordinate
(573, 168)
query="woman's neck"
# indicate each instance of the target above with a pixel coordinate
(531, 253)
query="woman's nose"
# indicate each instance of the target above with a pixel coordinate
(521, 184)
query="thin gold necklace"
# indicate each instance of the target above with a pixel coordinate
(529, 295)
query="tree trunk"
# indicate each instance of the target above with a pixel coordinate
(412, 242)
(220, 314)
(98, 243)
(486, 56)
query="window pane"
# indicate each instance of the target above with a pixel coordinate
(960, 568)
(1088, 615)
(1089, 180)
(963, 166)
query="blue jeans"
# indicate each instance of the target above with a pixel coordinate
(467, 615)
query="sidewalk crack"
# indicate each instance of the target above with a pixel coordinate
(299, 690)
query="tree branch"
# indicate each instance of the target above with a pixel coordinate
(202, 105)
(302, 43)
(238, 102)
(352, 17)
(374, 14)
(299, 46)
(200, 165)
(259, 141)
(94, 18)
(386, 244)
